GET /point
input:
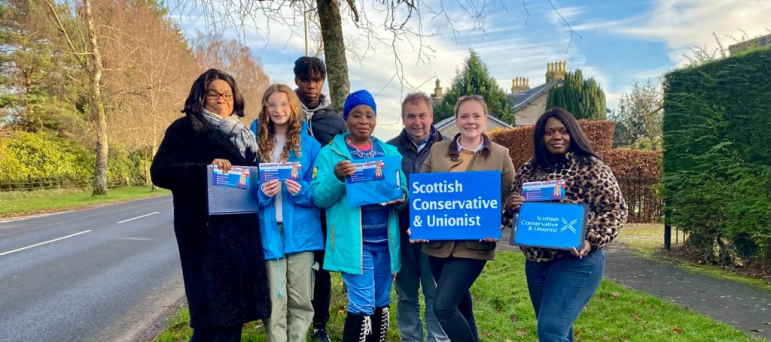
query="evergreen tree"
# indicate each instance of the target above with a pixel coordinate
(584, 98)
(475, 79)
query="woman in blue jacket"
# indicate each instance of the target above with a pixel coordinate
(362, 242)
(291, 229)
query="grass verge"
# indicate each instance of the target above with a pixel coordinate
(504, 314)
(38, 201)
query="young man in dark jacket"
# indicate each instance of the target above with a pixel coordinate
(323, 124)
(414, 143)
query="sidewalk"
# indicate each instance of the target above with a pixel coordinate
(742, 306)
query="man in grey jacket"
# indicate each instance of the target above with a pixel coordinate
(414, 144)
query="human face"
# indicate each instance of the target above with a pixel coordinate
(279, 109)
(417, 120)
(556, 137)
(471, 120)
(219, 98)
(361, 123)
(309, 90)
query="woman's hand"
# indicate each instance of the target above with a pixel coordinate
(409, 233)
(344, 169)
(271, 188)
(293, 187)
(223, 164)
(488, 239)
(583, 252)
(514, 202)
(399, 201)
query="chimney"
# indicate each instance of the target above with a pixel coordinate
(437, 95)
(520, 84)
(556, 70)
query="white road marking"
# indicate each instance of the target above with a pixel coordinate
(138, 217)
(43, 243)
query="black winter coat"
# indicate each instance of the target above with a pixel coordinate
(326, 124)
(222, 259)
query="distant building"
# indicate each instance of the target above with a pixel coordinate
(528, 104)
(757, 42)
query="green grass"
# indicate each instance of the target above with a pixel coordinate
(647, 240)
(504, 314)
(30, 202)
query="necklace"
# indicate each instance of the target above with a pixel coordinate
(359, 153)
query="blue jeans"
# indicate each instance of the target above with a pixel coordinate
(559, 289)
(372, 289)
(416, 274)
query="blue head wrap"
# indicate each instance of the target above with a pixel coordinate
(360, 97)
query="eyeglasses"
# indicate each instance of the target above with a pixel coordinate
(214, 95)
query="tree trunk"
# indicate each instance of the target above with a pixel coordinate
(97, 107)
(334, 51)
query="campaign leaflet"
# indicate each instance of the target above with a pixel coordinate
(233, 192)
(280, 171)
(544, 191)
(238, 177)
(375, 181)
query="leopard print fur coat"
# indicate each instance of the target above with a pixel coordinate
(589, 181)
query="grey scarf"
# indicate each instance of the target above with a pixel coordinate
(231, 127)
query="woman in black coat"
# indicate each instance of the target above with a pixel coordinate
(222, 258)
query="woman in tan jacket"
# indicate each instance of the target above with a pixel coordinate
(456, 264)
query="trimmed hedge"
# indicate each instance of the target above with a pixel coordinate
(28, 159)
(717, 161)
(637, 171)
(519, 140)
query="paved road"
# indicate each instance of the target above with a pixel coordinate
(103, 274)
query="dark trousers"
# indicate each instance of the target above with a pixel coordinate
(452, 304)
(322, 287)
(225, 334)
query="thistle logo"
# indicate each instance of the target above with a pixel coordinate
(569, 225)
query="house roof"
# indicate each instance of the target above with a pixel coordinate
(449, 121)
(520, 100)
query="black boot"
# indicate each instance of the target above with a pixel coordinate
(357, 327)
(380, 321)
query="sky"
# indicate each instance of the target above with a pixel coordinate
(616, 42)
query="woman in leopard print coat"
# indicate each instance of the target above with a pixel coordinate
(562, 282)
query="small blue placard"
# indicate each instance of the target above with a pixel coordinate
(550, 225)
(375, 181)
(544, 191)
(455, 205)
(280, 171)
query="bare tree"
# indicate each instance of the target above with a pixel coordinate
(91, 60)
(401, 20)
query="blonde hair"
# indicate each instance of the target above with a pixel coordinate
(266, 138)
(467, 98)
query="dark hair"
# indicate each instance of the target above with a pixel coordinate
(579, 143)
(310, 68)
(197, 98)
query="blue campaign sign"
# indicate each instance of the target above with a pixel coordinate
(551, 225)
(455, 205)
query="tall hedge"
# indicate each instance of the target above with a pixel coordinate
(717, 160)
(637, 171)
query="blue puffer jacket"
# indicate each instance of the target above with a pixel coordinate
(302, 223)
